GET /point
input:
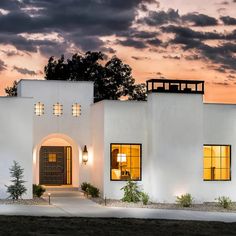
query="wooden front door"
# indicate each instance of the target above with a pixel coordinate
(55, 165)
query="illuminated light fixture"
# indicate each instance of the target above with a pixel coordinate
(57, 109)
(76, 110)
(85, 155)
(39, 109)
(121, 157)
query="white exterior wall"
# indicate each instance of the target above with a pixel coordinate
(175, 137)
(75, 130)
(172, 129)
(16, 122)
(97, 125)
(124, 123)
(220, 129)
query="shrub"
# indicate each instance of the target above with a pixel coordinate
(90, 189)
(93, 191)
(131, 192)
(38, 190)
(225, 202)
(84, 186)
(144, 198)
(17, 189)
(185, 200)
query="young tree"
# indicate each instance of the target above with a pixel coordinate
(112, 80)
(17, 189)
(12, 90)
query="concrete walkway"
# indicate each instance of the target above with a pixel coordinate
(73, 204)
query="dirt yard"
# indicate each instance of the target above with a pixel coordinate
(21, 225)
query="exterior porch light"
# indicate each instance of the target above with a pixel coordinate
(85, 155)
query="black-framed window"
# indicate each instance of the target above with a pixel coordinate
(126, 159)
(217, 162)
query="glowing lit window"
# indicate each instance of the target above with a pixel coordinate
(39, 109)
(76, 110)
(126, 161)
(217, 162)
(57, 109)
(52, 157)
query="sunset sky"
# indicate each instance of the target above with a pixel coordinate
(175, 39)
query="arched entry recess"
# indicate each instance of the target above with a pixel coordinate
(57, 141)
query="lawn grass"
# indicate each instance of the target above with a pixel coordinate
(26, 225)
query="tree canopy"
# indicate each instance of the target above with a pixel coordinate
(112, 79)
(12, 90)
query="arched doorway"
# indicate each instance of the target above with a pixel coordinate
(56, 161)
(55, 165)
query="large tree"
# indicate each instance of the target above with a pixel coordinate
(112, 80)
(11, 90)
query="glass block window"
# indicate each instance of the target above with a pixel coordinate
(217, 162)
(39, 109)
(57, 109)
(76, 110)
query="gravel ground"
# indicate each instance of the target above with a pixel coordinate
(34, 201)
(207, 206)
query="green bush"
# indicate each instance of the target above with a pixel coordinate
(90, 189)
(185, 200)
(144, 198)
(131, 192)
(38, 190)
(93, 191)
(84, 186)
(225, 202)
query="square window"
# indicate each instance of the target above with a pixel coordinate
(125, 161)
(216, 162)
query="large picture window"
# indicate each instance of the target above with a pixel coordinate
(217, 160)
(126, 161)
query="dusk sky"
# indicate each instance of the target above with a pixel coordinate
(175, 39)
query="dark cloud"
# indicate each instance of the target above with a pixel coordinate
(24, 71)
(221, 83)
(172, 57)
(140, 58)
(187, 33)
(155, 18)
(132, 43)
(228, 20)
(224, 3)
(3, 66)
(84, 19)
(154, 42)
(200, 19)
(223, 54)
(11, 53)
(193, 57)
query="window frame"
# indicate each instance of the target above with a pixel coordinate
(230, 162)
(140, 145)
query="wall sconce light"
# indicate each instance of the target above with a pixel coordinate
(85, 155)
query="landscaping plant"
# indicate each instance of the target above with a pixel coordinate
(84, 186)
(144, 198)
(38, 190)
(89, 189)
(225, 202)
(131, 192)
(185, 200)
(17, 189)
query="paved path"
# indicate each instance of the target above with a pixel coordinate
(75, 205)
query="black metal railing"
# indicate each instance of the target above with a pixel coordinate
(175, 86)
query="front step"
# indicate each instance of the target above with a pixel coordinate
(63, 188)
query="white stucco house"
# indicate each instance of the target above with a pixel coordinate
(172, 144)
